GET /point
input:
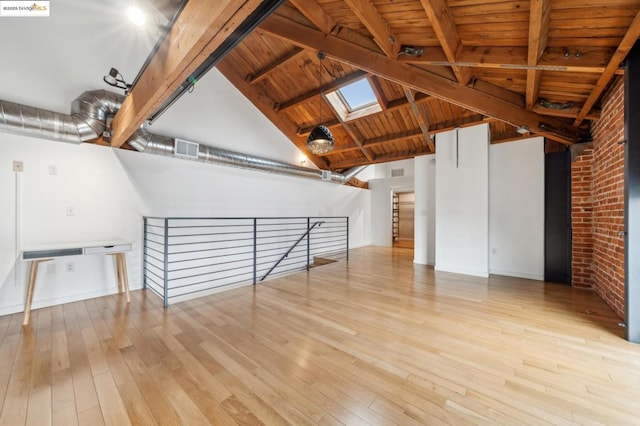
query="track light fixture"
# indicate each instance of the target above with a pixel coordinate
(115, 79)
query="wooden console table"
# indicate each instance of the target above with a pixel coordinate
(38, 255)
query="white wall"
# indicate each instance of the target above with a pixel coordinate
(58, 58)
(516, 206)
(383, 170)
(425, 218)
(91, 180)
(462, 201)
(176, 187)
(381, 200)
(111, 191)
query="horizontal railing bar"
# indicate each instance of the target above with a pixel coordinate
(154, 258)
(209, 265)
(209, 273)
(153, 233)
(211, 233)
(211, 249)
(154, 241)
(155, 283)
(225, 225)
(155, 292)
(210, 288)
(156, 275)
(195, 259)
(287, 259)
(208, 281)
(251, 218)
(155, 249)
(208, 242)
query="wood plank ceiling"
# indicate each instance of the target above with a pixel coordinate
(541, 65)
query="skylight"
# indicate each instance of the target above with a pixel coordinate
(354, 100)
(357, 95)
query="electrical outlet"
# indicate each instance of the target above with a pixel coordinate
(70, 267)
(53, 169)
(71, 211)
(18, 166)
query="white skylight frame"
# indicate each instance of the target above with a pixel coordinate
(341, 105)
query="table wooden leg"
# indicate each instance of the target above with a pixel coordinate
(121, 272)
(33, 275)
(116, 257)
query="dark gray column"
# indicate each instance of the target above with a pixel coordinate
(632, 194)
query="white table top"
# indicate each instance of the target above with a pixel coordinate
(45, 251)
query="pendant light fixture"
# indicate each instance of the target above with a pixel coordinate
(320, 140)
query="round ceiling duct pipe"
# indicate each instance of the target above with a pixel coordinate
(88, 121)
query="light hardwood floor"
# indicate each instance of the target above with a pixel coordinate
(377, 341)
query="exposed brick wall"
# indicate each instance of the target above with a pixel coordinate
(582, 220)
(608, 199)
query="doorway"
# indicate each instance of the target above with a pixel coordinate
(403, 212)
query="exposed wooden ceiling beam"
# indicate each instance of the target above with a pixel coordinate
(355, 182)
(281, 61)
(352, 133)
(312, 10)
(401, 155)
(375, 24)
(539, 16)
(621, 52)
(394, 105)
(591, 60)
(497, 91)
(382, 140)
(442, 22)
(336, 84)
(304, 131)
(508, 138)
(377, 90)
(420, 116)
(572, 112)
(255, 94)
(199, 30)
(421, 80)
(402, 136)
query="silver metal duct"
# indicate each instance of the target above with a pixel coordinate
(145, 141)
(86, 122)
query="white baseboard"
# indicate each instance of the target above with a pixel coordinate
(475, 273)
(37, 304)
(525, 275)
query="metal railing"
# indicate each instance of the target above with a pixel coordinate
(187, 256)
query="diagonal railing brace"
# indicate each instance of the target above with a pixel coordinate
(284, 256)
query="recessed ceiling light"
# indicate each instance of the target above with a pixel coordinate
(137, 16)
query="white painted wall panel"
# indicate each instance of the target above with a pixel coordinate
(91, 180)
(462, 201)
(516, 189)
(425, 189)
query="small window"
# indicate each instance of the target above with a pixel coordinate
(354, 100)
(358, 95)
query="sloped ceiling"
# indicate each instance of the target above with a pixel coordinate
(539, 65)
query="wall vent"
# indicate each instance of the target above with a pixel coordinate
(186, 149)
(397, 172)
(326, 175)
